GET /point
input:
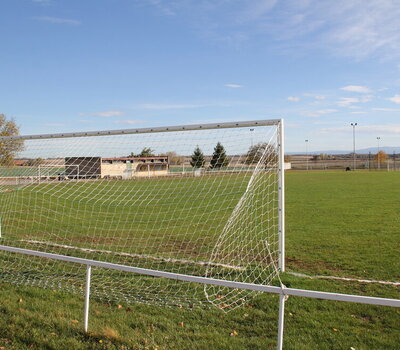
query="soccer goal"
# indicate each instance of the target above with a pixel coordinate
(58, 172)
(224, 219)
(211, 237)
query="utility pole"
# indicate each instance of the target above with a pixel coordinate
(307, 152)
(354, 144)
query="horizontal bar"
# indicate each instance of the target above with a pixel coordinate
(212, 281)
(239, 124)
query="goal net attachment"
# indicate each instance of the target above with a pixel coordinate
(196, 200)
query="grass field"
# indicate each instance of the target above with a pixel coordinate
(341, 224)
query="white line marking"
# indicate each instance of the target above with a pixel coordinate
(298, 274)
(132, 255)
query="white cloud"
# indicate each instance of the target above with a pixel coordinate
(233, 86)
(57, 20)
(112, 113)
(350, 28)
(54, 124)
(395, 99)
(316, 97)
(349, 101)
(359, 112)
(381, 109)
(129, 121)
(368, 129)
(156, 106)
(356, 88)
(293, 99)
(318, 113)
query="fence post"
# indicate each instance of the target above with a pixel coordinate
(282, 299)
(87, 297)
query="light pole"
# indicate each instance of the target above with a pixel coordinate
(394, 160)
(379, 149)
(251, 135)
(306, 141)
(354, 144)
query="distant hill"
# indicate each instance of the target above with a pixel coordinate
(388, 150)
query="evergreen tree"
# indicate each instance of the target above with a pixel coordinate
(146, 152)
(197, 158)
(219, 158)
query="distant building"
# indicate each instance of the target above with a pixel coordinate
(20, 162)
(287, 166)
(121, 167)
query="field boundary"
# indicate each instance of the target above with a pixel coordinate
(350, 279)
(282, 290)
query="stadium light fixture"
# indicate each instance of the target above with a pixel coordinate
(379, 149)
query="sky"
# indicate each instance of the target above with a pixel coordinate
(73, 65)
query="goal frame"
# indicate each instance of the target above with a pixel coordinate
(44, 166)
(282, 291)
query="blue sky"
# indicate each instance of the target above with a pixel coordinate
(73, 65)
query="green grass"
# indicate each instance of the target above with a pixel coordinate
(345, 224)
(338, 223)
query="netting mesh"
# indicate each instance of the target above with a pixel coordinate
(108, 198)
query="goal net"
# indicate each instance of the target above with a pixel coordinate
(196, 200)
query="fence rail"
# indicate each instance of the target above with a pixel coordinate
(282, 291)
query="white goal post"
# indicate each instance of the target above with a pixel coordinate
(59, 171)
(153, 235)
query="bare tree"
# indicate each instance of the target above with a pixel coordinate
(264, 151)
(174, 158)
(9, 148)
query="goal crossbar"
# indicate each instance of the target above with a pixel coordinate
(212, 281)
(189, 127)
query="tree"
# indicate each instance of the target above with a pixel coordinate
(174, 158)
(321, 156)
(219, 158)
(35, 162)
(197, 158)
(263, 150)
(381, 157)
(146, 152)
(9, 148)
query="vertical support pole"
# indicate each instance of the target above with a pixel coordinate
(281, 196)
(87, 297)
(282, 299)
